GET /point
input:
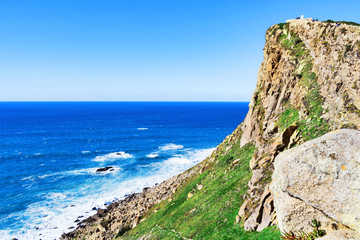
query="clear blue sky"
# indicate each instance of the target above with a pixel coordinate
(141, 50)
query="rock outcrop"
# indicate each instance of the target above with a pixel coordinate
(320, 180)
(308, 84)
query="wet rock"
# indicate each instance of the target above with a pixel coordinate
(104, 169)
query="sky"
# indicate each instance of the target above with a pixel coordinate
(142, 50)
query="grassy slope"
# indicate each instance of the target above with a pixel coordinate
(210, 213)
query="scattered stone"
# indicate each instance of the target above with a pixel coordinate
(190, 194)
(128, 212)
(101, 211)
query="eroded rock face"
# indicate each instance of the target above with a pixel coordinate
(319, 179)
(330, 54)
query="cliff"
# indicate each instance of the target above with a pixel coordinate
(308, 85)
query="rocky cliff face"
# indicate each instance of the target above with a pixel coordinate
(308, 84)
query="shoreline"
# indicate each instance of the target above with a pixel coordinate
(123, 215)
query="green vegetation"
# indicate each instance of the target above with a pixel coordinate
(348, 48)
(316, 233)
(258, 106)
(349, 105)
(280, 26)
(348, 126)
(293, 44)
(210, 213)
(288, 117)
(342, 22)
(123, 231)
(313, 125)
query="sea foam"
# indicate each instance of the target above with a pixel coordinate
(49, 218)
(113, 156)
(152, 155)
(170, 146)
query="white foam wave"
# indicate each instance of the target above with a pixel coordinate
(84, 152)
(171, 146)
(50, 218)
(84, 171)
(113, 156)
(56, 196)
(152, 155)
(189, 158)
(28, 178)
(143, 128)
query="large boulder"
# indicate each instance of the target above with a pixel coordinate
(320, 180)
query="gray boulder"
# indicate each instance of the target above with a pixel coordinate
(320, 180)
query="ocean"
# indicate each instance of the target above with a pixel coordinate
(50, 151)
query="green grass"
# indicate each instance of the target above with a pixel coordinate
(293, 44)
(211, 212)
(280, 26)
(312, 125)
(288, 117)
(343, 22)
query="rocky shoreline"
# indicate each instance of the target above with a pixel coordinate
(120, 216)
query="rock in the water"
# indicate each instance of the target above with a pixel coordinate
(104, 169)
(320, 180)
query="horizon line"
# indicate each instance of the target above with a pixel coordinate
(114, 101)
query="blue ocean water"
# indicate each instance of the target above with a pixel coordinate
(49, 153)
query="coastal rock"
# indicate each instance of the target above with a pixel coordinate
(104, 169)
(320, 180)
(308, 84)
(122, 215)
(261, 217)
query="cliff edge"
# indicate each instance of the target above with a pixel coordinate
(308, 85)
